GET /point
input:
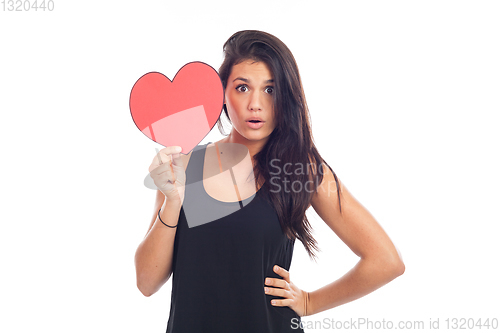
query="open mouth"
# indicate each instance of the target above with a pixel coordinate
(255, 124)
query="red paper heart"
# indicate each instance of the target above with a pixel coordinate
(180, 112)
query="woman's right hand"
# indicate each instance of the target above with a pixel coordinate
(170, 176)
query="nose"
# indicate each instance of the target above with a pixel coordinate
(255, 103)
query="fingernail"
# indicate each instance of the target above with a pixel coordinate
(276, 268)
(178, 149)
(268, 281)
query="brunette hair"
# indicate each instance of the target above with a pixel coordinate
(291, 141)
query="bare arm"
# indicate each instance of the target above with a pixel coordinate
(154, 256)
(379, 262)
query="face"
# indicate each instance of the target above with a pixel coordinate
(249, 94)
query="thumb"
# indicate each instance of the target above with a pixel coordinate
(177, 160)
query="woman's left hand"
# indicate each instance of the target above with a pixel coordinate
(295, 298)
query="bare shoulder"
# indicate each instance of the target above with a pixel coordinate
(328, 191)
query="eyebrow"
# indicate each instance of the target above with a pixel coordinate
(248, 81)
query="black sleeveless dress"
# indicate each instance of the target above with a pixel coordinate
(219, 267)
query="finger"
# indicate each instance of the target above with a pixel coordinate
(177, 160)
(282, 272)
(158, 155)
(160, 169)
(155, 165)
(174, 158)
(170, 150)
(280, 283)
(164, 157)
(281, 302)
(161, 179)
(278, 292)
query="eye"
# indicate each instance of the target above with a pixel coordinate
(242, 88)
(269, 90)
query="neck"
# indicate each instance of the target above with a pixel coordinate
(253, 146)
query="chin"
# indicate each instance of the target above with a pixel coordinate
(258, 137)
(253, 135)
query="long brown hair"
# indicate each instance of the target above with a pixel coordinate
(290, 142)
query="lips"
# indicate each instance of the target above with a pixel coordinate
(255, 124)
(255, 120)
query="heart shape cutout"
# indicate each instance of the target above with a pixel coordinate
(180, 112)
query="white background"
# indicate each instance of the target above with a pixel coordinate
(404, 100)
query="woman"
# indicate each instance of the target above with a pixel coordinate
(231, 275)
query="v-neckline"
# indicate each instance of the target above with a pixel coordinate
(203, 181)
